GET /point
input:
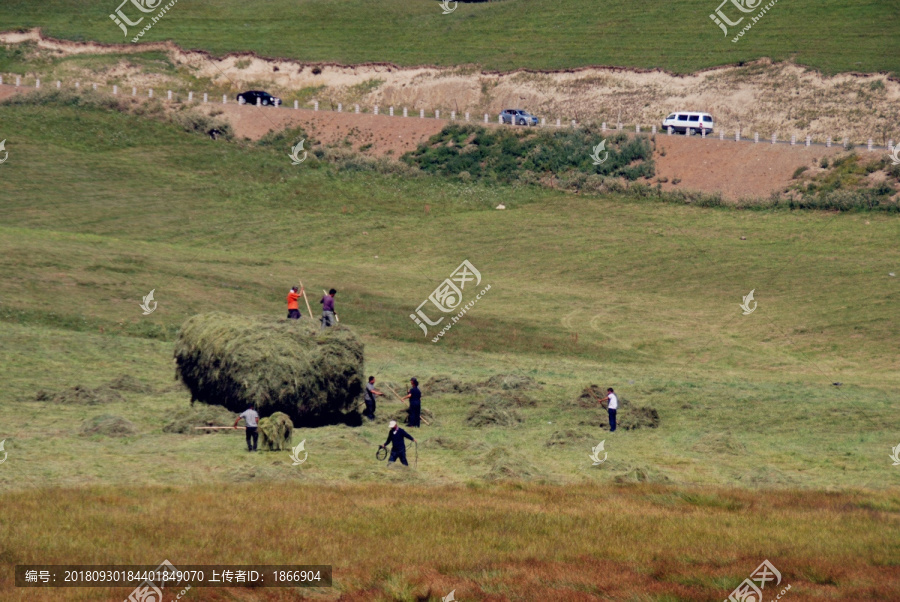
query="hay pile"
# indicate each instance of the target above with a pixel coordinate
(129, 384)
(510, 382)
(505, 465)
(568, 437)
(314, 376)
(494, 411)
(628, 420)
(108, 425)
(641, 474)
(276, 432)
(79, 395)
(442, 384)
(402, 415)
(185, 420)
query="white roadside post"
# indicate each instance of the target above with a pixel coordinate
(356, 109)
(637, 129)
(574, 125)
(205, 97)
(755, 137)
(421, 113)
(437, 114)
(721, 134)
(375, 110)
(190, 97)
(828, 142)
(115, 90)
(391, 111)
(603, 127)
(846, 142)
(558, 122)
(773, 138)
(340, 107)
(77, 85)
(37, 83)
(452, 115)
(224, 99)
(870, 145)
(150, 93)
(808, 140)
(296, 105)
(316, 106)
(18, 81)
(93, 86)
(58, 84)
(543, 121)
(793, 139)
(653, 130)
(133, 91)
(467, 115)
(737, 135)
(169, 95)
(486, 118)
(405, 112)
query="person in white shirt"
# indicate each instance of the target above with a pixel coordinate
(611, 408)
(251, 418)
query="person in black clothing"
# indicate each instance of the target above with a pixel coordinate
(396, 438)
(415, 404)
(371, 394)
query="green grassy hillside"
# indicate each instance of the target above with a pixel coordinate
(836, 36)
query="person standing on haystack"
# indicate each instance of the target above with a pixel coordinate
(371, 393)
(293, 300)
(251, 418)
(415, 404)
(328, 309)
(611, 408)
(396, 436)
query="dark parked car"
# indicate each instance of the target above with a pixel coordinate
(518, 117)
(250, 97)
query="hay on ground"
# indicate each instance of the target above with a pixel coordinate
(279, 365)
(591, 394)
(719, 443)
(505, 465)
(443, 384)
(79, 395)
(108, 425)
(402, 415)
(629, 420)
(185, 420)
(641, 474)
(129, 384)
(515, 399)
(276, 432)
(518, 382)
(494, 411)
(568, 437)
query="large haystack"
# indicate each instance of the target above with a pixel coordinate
(280, 365)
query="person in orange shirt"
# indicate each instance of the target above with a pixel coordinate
(293, 300)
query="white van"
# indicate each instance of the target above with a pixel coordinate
(689, 122)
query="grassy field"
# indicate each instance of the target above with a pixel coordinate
(679, 36)
(757, 455)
